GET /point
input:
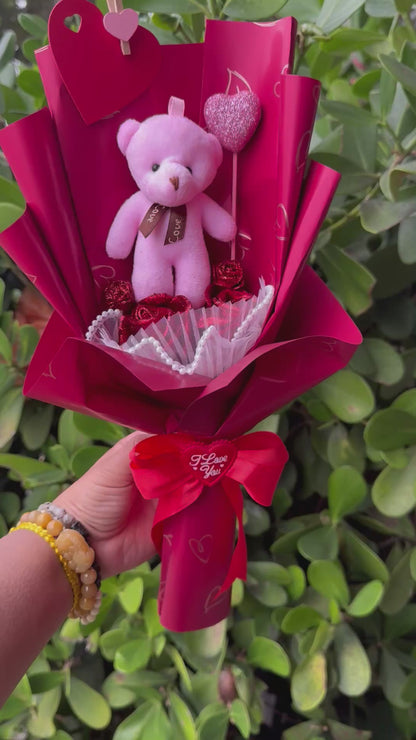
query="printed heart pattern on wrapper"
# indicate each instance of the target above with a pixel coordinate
(121, 25)
(233, 119)
(210, 462)
(98, 77)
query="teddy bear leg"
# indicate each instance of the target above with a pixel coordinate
(151, 274)
(192, 277)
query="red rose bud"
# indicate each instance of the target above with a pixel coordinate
(119, 294)
(230, 295)
(228, 274)
(128, 326)
(144, 315)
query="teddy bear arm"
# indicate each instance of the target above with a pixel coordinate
(125, 226)
(216, 221)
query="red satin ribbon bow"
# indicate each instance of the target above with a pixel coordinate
(175, 468)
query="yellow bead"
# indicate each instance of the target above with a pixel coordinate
(54, 527)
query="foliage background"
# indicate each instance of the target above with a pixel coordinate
(321, 642)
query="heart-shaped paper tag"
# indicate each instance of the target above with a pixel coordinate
(122, 25)
(99, 78)
(233, 119)
(209, 462)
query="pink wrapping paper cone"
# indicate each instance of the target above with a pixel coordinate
(59, 243)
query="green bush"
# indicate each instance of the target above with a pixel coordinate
(320, 644)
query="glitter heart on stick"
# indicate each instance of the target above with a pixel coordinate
(233, 119)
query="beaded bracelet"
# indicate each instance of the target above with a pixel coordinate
(69, 540)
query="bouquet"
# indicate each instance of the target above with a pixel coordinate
(74, 179)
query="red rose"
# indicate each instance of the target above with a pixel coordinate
(228, 274)
(149, 310)
(119, 294)
(215, 296)
(127, 327)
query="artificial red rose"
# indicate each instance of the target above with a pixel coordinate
(119, 294)
(149, 310)
(228, 274)
(216, 296)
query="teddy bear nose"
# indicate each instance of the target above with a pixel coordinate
(175, 182)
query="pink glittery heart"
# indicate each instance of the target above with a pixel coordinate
(122, 25)
(233, 118)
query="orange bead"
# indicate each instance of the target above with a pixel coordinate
(25, 517)
(90, 576)
(75, 550)
(43, 518)
(54, 527)
(86, 604)
(89, 590)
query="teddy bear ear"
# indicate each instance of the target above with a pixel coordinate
(126, 133)
(216, 149)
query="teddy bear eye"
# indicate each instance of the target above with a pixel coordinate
(155, 167)
(189, 169)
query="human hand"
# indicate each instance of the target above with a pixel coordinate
(106, 501)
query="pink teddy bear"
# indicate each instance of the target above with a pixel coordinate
(172, 161)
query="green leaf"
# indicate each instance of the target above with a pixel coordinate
(10, 413)
(401, 624)
(378, 214)
(302, 731)
(40, 723)
(299, 619)
(258, 518)
(30, 82)
(240, 717)
(84, 458)
(348, 114)
(350, 280)
(5, 347)
(133, 655)
(406, 240)
(10, 193)
(346, 40)
(345, 448)
(400, 587)
(297, 585)
(9, 506)
(183, 724)
(390, 429)
(366, 600)
(406, 402)
(117, 695)
(309, 682)
(346, 491)
(18, 701)
(9, 213)
(380, 8)
(394, 490)
(344, 732)
(87, 704)
(393, 680)
(24, 467)
(334, 13)
(41, 682)
(151, 618)
(28, 339)
(361, 559)
(384, 365)
(98, 429)
(131, 595)
(269, 655)
(353, 666)
(212, 722)
(35, 424)
(132, 727)
(110, 641)
(320, 544)
(69, 436)
(401, 72)
(264, 582)
(34, 25)
(246, 10)
(166, 6)
(327, 578)
(180, 666)
(7, 47)
(347, 395)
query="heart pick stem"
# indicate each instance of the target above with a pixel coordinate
(234, 201)
(116, 6)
